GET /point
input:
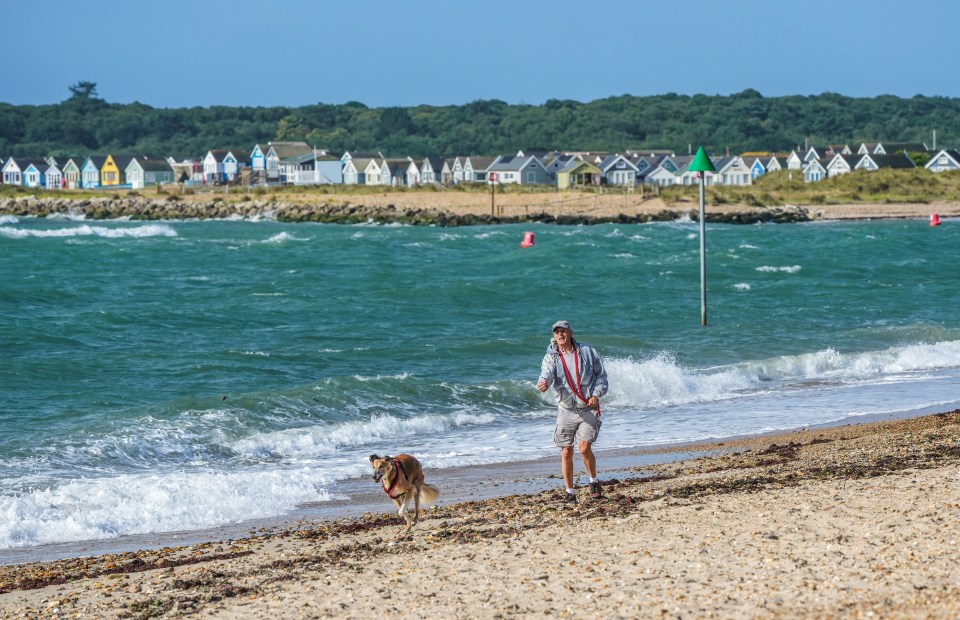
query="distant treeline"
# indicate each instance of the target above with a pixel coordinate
(84, 123)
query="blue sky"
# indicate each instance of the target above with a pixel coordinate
(180, 53)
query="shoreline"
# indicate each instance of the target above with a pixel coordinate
(450, 209)
(755, 491)
(475, 483)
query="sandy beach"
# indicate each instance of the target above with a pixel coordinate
(612, 204)
(854, 521)
(608, 204)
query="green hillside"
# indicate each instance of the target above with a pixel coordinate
(747, 121)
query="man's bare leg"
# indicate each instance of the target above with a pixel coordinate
(589, 460)
(566, 465)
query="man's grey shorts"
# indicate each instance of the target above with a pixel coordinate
(582, 425)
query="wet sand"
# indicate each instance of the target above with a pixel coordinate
(849, 521)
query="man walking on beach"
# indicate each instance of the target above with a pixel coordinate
(576, 374)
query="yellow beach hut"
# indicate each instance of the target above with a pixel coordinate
(114, 170)
(109, 172)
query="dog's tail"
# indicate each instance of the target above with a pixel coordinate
(428, 493)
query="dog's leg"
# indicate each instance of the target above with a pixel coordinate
(404, 512)
(416, 503)
(403, 508)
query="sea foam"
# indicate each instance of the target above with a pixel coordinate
(284, 237)
(101, 508)
(149, 230)
(315, 441)
(272, 472)
(661, 380)
(71, 216)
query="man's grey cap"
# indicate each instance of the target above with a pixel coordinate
(563, 324)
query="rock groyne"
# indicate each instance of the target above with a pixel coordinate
(139, 208)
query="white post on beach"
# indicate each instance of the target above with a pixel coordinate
(701, 164)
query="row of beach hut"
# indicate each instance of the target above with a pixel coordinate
(296, 163)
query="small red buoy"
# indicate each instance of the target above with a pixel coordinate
(934, 219)
(527, 240)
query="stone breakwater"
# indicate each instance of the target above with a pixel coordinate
(138, 208)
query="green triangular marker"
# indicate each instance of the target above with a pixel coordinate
(701, 163)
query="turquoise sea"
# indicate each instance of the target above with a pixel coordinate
(182, 375)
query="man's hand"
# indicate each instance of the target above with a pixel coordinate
(593, 402)
(542, 385)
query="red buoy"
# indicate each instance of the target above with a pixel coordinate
(934, 219)
(527, 240)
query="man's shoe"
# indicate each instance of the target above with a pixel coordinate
(595, 491)
(569, 498)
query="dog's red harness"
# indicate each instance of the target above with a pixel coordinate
(389, 490)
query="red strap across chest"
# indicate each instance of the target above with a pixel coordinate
(576, 389)
(399, 470)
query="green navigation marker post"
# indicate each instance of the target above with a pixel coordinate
(701, 164)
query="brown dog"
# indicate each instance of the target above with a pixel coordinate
(402, 479)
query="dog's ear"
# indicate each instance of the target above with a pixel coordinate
(373, 457)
